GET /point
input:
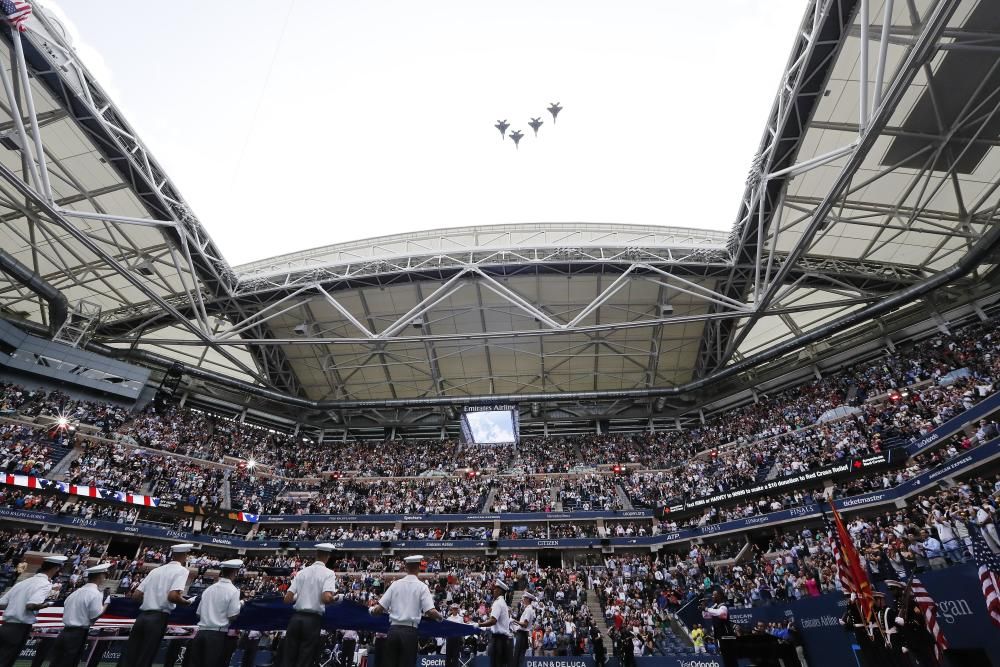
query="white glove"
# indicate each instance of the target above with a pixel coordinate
(371, 610)
(900, 621)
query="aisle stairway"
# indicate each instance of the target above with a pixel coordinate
(488, 503)
(623, 497)
(598, 614)
(60, 468)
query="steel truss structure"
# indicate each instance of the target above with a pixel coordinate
(874, 188)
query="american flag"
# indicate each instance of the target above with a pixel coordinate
(925, 603)
(16, 13)
(51, 618)
(843, 572)
(989, 567)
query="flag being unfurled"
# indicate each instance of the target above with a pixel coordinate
(989, 572)
(925, 603)
(16, 12)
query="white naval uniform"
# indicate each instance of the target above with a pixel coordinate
(501, 612)
(407, 599)
(83, 606)
(309, 584)
(219, 603)
(33, 590)
(157, 586)
(527, 618)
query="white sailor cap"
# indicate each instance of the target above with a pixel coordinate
(325, 546)
(529, 596)
(98, 569)
(55, 560)
(502, 586)
(413, 559)
(182, 548)
(232, 564)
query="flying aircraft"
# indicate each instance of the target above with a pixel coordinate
(516, 136)
(535, 124)
(502, 125)
(554, 109)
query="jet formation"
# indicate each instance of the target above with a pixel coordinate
(534, 124)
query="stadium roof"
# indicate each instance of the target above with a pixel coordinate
(846, 205)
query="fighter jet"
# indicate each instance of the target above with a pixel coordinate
(554, 109)
(502, 125)
(516, 136)
(535, 124)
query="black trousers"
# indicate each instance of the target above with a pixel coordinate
(144, 639)
(207, 649)
(453, 651)
(68, 647)
(400, 647)
(347, 647)
(42, 647)
(303, 640)
(501, 651)
(95, 657)
(521, 640)
(249, 651)
(13, 637)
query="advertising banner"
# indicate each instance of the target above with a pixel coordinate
(852, 467)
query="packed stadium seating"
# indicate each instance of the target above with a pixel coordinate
(213, 463)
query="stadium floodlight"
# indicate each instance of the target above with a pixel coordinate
(63, 422)
(251, 464)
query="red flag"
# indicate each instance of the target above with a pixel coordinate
(861, 586)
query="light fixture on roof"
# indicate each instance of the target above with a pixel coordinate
(660, 403)
(666, 309)
(418, 323)
(304, 329)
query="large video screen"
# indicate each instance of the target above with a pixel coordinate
(490, 425)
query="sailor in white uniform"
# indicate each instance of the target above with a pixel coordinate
(501, 642)
(522, 629)
(19, 605)
(312, 589)
(219, 606)
(407, 600)
(160, 592)
(83, 606)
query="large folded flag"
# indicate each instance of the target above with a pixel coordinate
(927, 607)
(989, 572)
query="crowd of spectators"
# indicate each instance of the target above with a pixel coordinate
(121, 466)
(523, 494)
(425, 495)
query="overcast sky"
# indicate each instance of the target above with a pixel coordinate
(289, 125)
